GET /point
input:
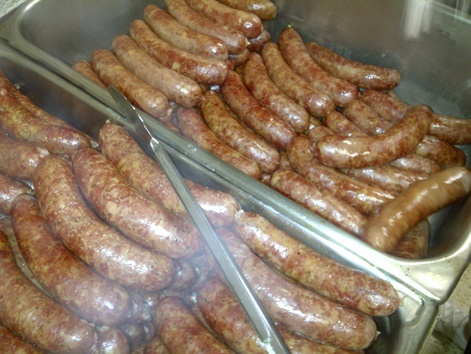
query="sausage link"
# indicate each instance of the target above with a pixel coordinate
(317, 103)
(227, 128)
(193, 127)
(155, 346)
(84, 233)
(69, 280)
(112, 73)
(235, 40)
(265, 9)
(414, 244)
(256, 44)
(363, 75)
(135, 215)
(33, 315)
(10, 189)
(261, 86)
(85, 68)
(296, 55)
(112, 341)
(10, 343)
(201, 69)
(247, 23)
(319, 201)
(298, 309)
(414, 204)
(177, 87)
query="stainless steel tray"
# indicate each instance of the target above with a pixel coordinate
(402, 332)
(434, 63)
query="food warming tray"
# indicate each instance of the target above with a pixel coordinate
(431, 49)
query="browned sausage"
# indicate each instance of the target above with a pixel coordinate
(193, 127)
(317, 103)
(140, 218)
(256, 44)
(261, 86)
(415, 243)
(128, 157)
(297, 308)
(265, 9)
(318, 200)
(296, 55)
(85, 68)
(10, 343)
(247, 23)
(95, 242)
(69, 280)
(251, 113)
(177, 87)
(155, 346)
(174, 323)
(33, 315)
(227, 128)
(112, 73)
(235, 40)
(199, 68)
(10, 189)
(171, 31)
(365, 151)
(363, 75)
(292, 258)
(112, 341)
(414, 204)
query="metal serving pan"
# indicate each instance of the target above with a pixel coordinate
(433, 60)
(402, 332)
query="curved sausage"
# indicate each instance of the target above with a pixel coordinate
(95, 242)
(199, 68)
(112, 73)
(137, 216)
(265, 9)
(363, 75)
(128, 157)
(261, 86)
(193, 127)
(414, 204)
(177, 87)
(415, 243)
(85, 68)
(227, 128)
(296, 55)
(317, 103)
(112, 341)
(256, 44)
(10, 343)
(247, 23)
(33, 315)
(10, 189)
(366, 151)
(235, 40)
(69, 280)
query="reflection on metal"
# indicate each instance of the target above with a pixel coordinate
(416, 18)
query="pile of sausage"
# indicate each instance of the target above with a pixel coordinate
(98, 255)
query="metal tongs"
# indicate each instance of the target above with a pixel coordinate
(255, 312)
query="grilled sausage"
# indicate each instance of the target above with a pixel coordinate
(85, 68)
(95, 242)
(265, 9)
(256, 44)
(10, 189)
(414, 244)
(10, 343)
(112, 341)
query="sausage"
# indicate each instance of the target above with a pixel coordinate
(128, 157)
(199, 68)
(186, 276)
(85, 68)
(364, 197)
(256, 44)
(112, 73)
(138, 217)
(10, 189)
(317, 103)
(366, 151)
(33, 315)
(70, 281)
(318, 200)
(96, 243)
(17, 122)
(138, 333)
(193, 127)
(227, 128)
(414, 244)
(10, 343)
(395, 219)
(265, 9)
(247, 23)
(261, 86)
(112, 341)
(19, 159)
(175, 86)
(298, 309)
(296, 55)
(226, 317)
(235, 40)
(174, 322)
(366, 76)
(251, 113)
(352, 288)
(171, 31)
(155, 346)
